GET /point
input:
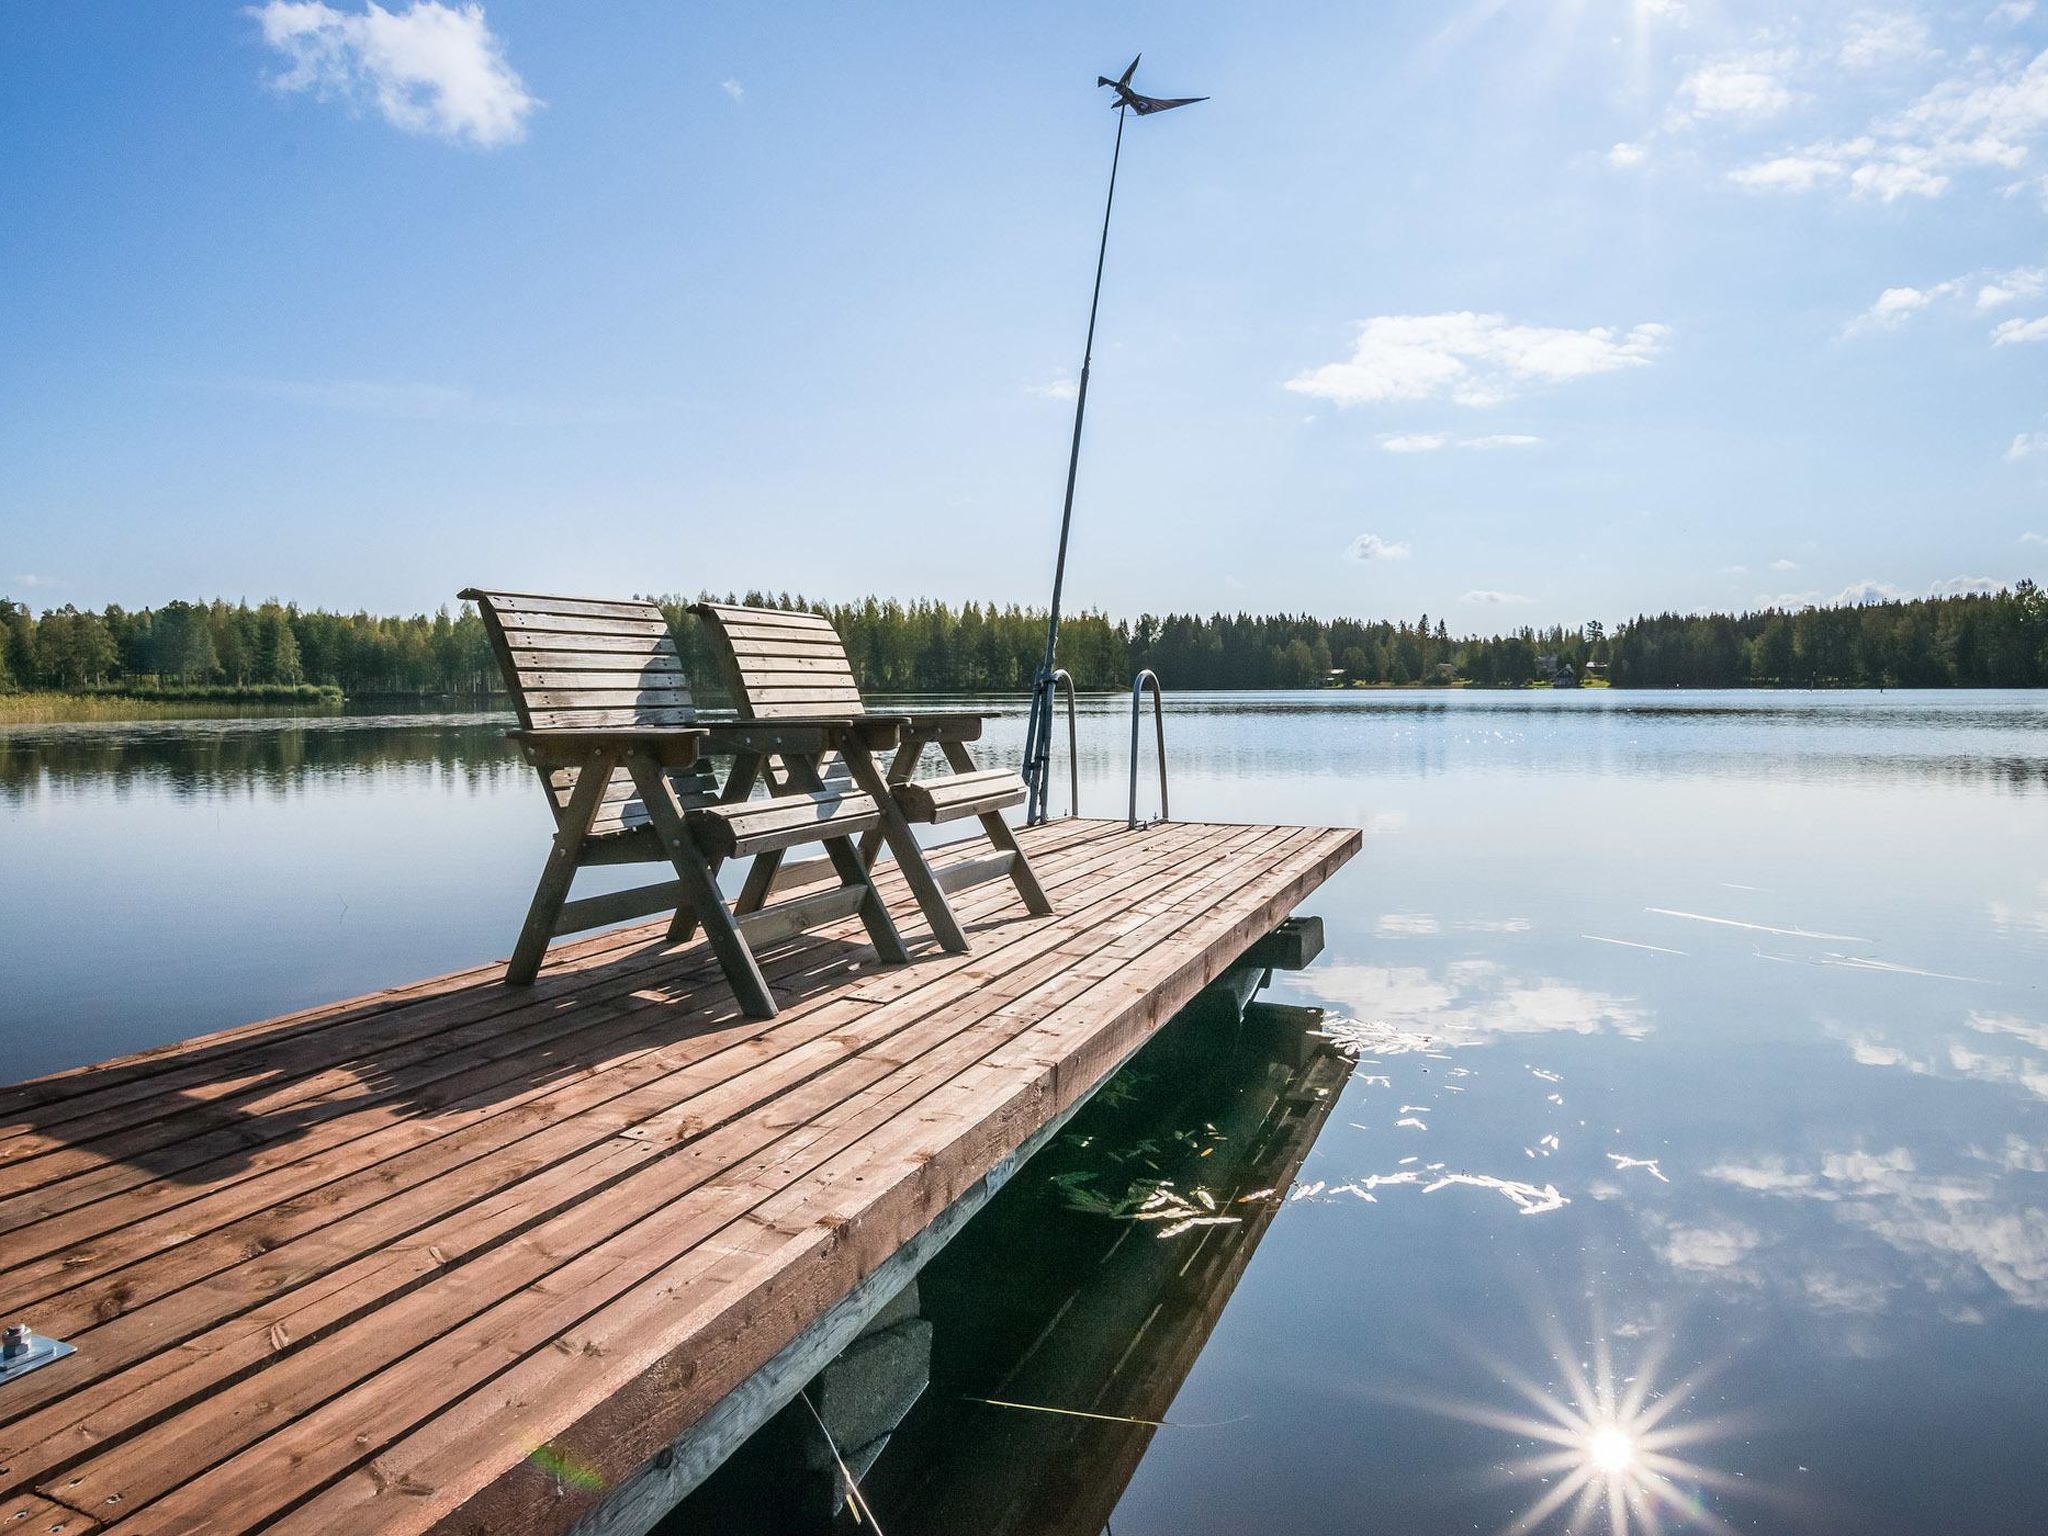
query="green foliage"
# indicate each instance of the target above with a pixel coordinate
(217, 649)
(1994, 641)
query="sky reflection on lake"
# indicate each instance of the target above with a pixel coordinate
(1700, 1035)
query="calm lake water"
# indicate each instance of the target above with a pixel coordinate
(1726, 1012)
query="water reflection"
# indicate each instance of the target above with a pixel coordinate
(1621, 1451)
(1067, 1315)
(188, 758)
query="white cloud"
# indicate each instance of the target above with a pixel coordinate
(2007, 332)
(1712, 1248)
(1430, 442)
(2025, 446)
(2005, 287)
(1875, 41)
(2012, 13)
(1368, 547)
(2034, 538)
(33, 581)
(1747, 87)
(1407, 925)
(1492, 598)
(1472, 359)
(1060, 387)
(1626, 157)
(431, 68)
(1862, 593)
(1891, 309)
(733, 89)
(1987, 115)
(1782, 564)
(1964, 586)
(1471, 1002)
(1789, 173)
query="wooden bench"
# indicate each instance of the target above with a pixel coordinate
(784, 664)
(607, 719)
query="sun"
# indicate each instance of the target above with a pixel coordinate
(1610, 1449)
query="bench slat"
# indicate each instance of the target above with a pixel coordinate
(934, 801)
(757, 826)
(624, 697)
(589, 719)
(524, 620)
(570, 607)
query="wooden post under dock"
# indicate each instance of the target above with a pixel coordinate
(461, 1257)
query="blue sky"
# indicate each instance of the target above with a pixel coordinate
(1510, 313)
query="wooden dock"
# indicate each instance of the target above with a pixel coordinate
(460, 1257)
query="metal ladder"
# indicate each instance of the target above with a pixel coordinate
(1145, 679)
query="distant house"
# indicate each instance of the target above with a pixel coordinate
(1557, 673)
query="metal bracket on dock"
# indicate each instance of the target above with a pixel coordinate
(22, 1350)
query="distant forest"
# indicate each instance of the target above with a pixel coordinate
(1975, 641)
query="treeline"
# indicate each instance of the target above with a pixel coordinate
(1997, 640)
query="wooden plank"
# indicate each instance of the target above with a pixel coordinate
(776, 619)
(545, 648)
(24, 1514)
(619, 906)
(794, 646)
(758, 826)
(573, 671)
(507, 603)
(787, 919)
(571, 721)
(972, 872)
(960, 794)
(527, 622)
(638, 698)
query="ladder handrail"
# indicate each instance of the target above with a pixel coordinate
(1060, 675)
(1144, 679)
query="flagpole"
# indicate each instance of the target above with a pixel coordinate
(1038, 732)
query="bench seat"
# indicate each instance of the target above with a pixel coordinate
(758, 826)
(933, 801)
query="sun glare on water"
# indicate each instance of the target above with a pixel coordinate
(1610, 1449)
(1606, 1453)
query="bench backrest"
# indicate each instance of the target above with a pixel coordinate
(577, 662)
(783, 663)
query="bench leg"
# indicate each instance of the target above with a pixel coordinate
(572, 826)
(901, 767)
(700, 888)
(739, 784)
(895, 829)
(999, 833)
(803, 774)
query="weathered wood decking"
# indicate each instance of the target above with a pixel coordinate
(463, 1257)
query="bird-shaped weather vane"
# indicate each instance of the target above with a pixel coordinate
(1038, 733)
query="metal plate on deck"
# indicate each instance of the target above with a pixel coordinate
(25, 1351)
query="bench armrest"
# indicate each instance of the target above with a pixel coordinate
(673, 746)
(946, 724)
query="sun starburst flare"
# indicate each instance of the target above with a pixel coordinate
(1616, 1453)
